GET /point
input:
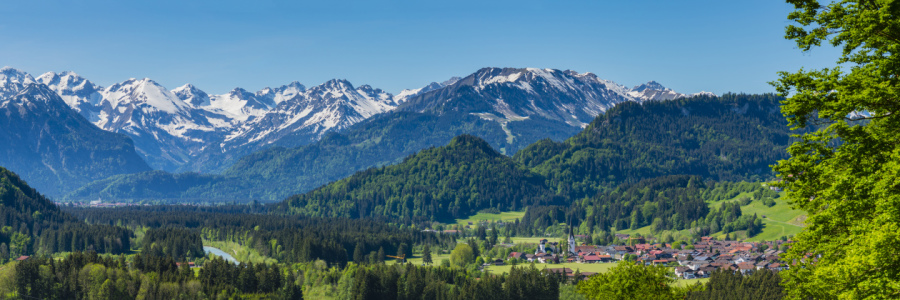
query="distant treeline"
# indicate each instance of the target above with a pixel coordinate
(289, 239)
(89, 276)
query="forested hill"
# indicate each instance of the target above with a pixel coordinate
(442, 183)
(30, 223)
(733, 137)
(24, 207)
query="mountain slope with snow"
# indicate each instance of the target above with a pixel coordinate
(406, 94)
(188, 129)
(299, 120)
(333, 105)
(166, 130)
(79, 93)
(52, 146)
(653, 91)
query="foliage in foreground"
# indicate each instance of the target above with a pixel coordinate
(729, 285)
(630, 280)
(846, 175)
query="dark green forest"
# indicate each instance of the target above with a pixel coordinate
(290, 239)
(30, 223)
(437, 184)
(674, 202)
(729, 138)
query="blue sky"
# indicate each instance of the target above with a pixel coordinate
(717, 46)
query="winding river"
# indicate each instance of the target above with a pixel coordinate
(219, 252)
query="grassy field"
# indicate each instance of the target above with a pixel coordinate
(509, 216)
(598, 268)
(780, 219)
(687, 282)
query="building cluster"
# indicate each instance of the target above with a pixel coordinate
(695, 261)
(97, 203)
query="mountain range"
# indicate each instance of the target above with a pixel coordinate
(50, 145)
(189, 130)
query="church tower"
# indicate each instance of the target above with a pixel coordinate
(571, 241)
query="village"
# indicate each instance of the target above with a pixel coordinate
(698, 259)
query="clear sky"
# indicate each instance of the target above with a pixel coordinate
(718, 46)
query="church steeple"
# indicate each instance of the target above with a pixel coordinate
(571, 241)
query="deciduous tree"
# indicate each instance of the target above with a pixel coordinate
(462, 255)
(845, 172)
(629, 280)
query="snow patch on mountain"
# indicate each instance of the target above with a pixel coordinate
(12, 81)
(146, 93)
(241, 105)
(654, 91)
(406, 94)
(282, 93)
(191, 94)
(78, 92)
(333, 105)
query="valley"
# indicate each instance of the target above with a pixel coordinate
(664, 171)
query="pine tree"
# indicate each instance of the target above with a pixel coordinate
(358, 254)
(426, 254)
(380, 256)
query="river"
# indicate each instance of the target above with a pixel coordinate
(218, 252)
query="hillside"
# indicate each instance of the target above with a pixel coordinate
(730, 138)
(443, 183)
(33, 224)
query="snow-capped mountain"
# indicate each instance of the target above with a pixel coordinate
(50, 145)
(653, 91)
(406, 94)
(13, 81)
(334, 105)
(79, 93)
(171, 128)
(241, 105)
(510, 95)
(302, 119)
(191, 94)
(166, 129)
(282, 93)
